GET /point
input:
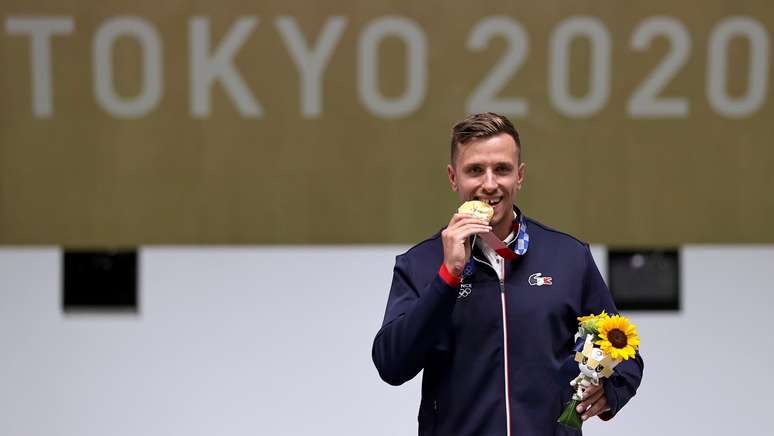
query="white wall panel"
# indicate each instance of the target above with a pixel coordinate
(276, 341)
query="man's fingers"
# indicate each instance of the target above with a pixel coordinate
(460, 231)
(466, 222)
(464, 232)
(597, 408)
(592, 394)
(460, 219)
(456, 217)
(594, 402)
(465, 227)
(456, 241)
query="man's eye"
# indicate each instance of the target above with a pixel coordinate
(474, 170)
(503, 170)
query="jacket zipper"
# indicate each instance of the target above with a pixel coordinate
(505, 350)
(505, 342)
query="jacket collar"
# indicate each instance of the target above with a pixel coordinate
(521, 243)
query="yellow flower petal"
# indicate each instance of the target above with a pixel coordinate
(620, 323)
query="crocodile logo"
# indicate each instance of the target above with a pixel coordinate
(538, 279)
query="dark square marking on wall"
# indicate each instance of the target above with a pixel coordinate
(645, 279)
(100, 281)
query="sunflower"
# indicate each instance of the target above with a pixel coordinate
(590, 324)
(602, 315)
(618, 338)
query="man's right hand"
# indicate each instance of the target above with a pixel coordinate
(456, 240)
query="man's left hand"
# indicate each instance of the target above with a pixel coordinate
(594, 402)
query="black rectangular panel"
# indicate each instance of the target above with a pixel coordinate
(645, 279)
(100, 280)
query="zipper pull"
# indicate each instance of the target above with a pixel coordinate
(435, 405)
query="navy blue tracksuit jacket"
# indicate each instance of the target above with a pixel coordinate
(457, 335)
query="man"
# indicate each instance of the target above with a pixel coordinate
(489, 310)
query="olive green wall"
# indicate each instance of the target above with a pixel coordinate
(137, 156)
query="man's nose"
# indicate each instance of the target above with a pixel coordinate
(490, 181)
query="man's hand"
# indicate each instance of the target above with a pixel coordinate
(594, 402)
(456, 246)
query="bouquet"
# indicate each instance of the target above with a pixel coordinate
(607, 341)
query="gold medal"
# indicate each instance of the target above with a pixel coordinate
(478, 209)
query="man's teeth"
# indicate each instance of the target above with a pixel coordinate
(493, 202)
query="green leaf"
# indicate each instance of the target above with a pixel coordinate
(570, 417)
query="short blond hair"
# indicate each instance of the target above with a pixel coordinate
(480, 126)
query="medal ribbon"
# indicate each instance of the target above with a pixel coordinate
(522, 241)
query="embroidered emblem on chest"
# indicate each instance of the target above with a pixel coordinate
(538, 279)
(465, 290)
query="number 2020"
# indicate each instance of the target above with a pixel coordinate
(645, 101)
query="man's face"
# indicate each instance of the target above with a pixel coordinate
(489, 170)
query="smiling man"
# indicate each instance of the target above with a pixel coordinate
(489, 309)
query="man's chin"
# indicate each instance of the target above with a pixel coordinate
(502, 214)
(497, 221)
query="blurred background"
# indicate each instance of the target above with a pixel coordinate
(201, 202)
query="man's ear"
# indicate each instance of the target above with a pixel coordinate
(520, 175)
(452, 177)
